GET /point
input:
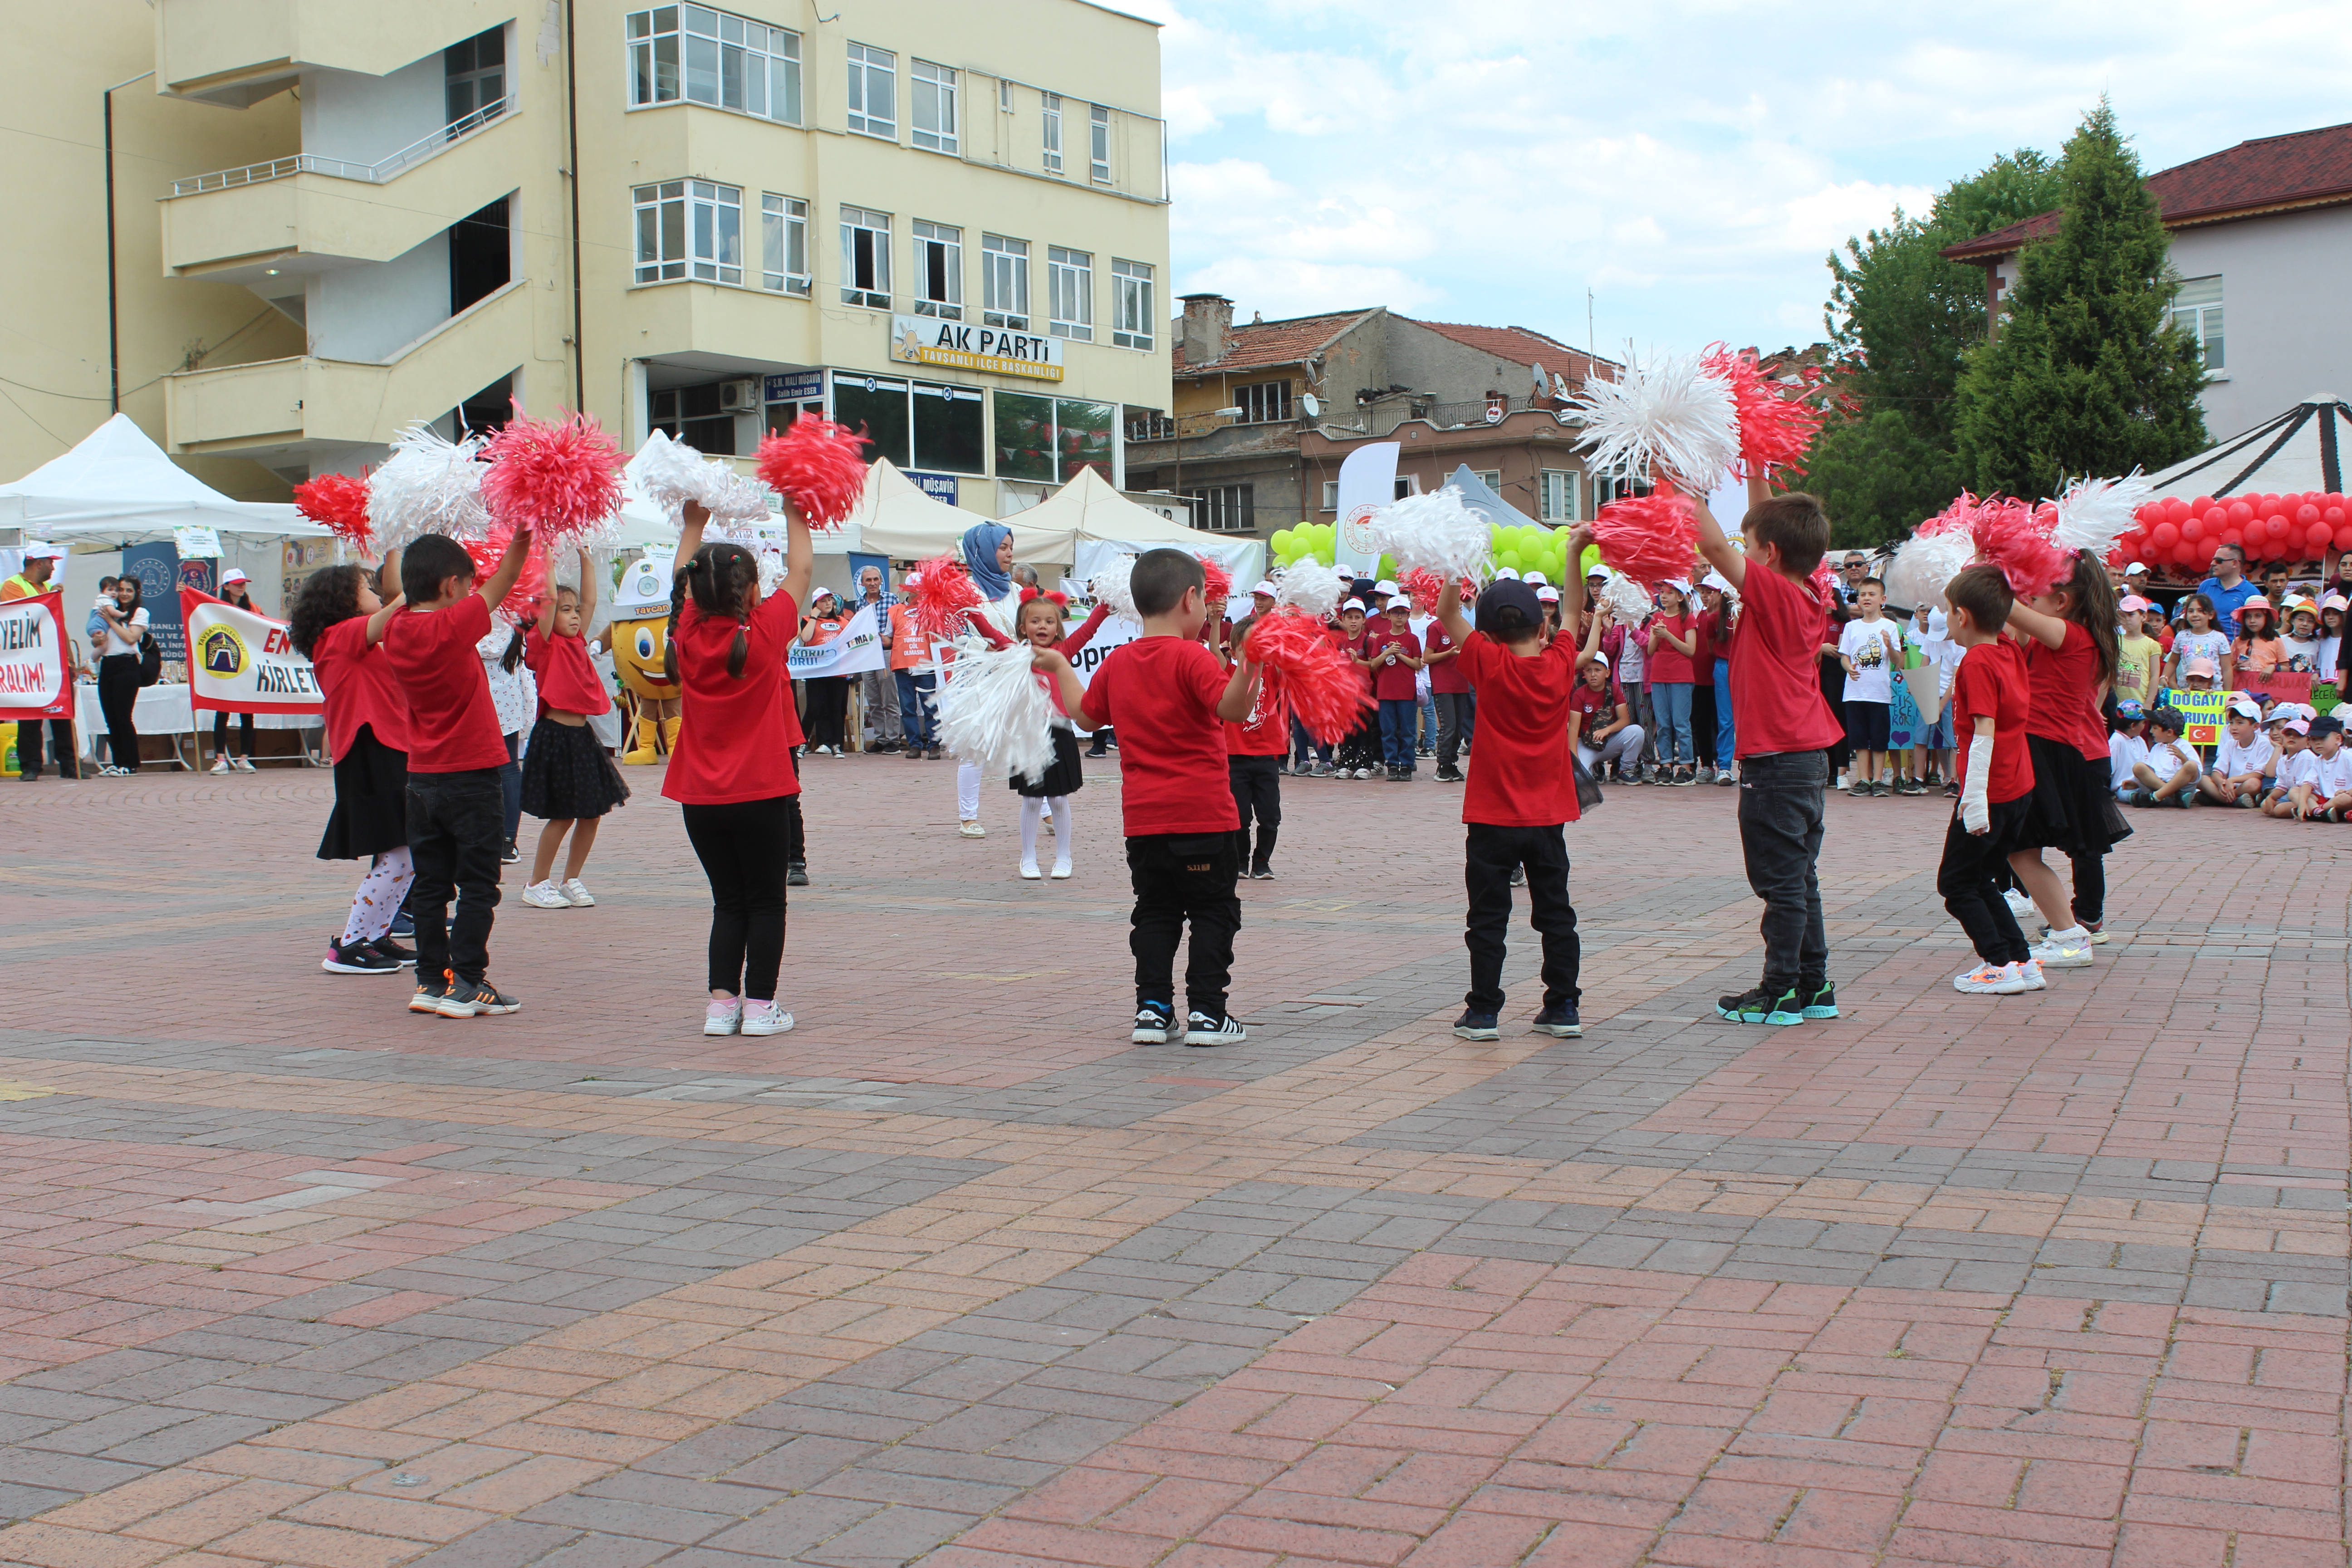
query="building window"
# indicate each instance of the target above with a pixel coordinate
(1070, 291)
(689, 228)
(924, 424)
(865, 258)
(1490, 477)
(938, 272)
(2196, 310)
(1225, 509)
(1556, 495)
(1052, 132)
(475, 74)
(1005, 282)
(1003, 95)
(1049, 440)
(933, 92)
(783, 244)
(873, 91)
(1407, 485)
(1330, 495)
(1263, 402)
(1130, 304)
(702, 56)
(693, 415)
(1098, 143)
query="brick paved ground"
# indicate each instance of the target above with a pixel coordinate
(952, 1274)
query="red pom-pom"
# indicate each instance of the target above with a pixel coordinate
(2016, 537)
(945, 598)
(1423, 586)
(1824, 582)
(337, 502)
(1649, 538)
(1776, 424)
(522, 601)
(560, 478)
(1218, 582)
(819, 466)
(1319, 683)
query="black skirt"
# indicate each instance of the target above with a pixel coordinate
(370, 813)
(1064, 777)
(2071, 808)
(567, 774)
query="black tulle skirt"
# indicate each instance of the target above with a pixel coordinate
(1067, 777)
(567, 775)
(370, 813)
(2071, 808)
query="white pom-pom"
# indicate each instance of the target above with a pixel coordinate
(1434, 532)
(428, 485)
(1924, 565)
(672, 473)
(1112, 586)
(1667, 419)
(993, 714)
(2093, 513)
(1311, 586)
(1626, 599)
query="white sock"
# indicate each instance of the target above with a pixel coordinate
(1031, 808)
(1063, 816)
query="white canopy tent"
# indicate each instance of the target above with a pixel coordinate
(117, 487)
(1102, 523)
(2300, 449)
(897, 519)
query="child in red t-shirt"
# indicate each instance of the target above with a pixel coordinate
(1361, 744)
(1989, 708)
(568, 781)
(457, 807)
(1457, 712)
(1167, 695)
(1254, 748)
(1391, 655)
(1520, 795)
(1785, 729)
(1039, 622)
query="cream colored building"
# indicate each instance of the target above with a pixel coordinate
(945, 222)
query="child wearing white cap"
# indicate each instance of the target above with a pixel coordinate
(233, 591)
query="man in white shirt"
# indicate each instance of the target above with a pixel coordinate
(2242, 760)
(2126, 749)
(2169, 776)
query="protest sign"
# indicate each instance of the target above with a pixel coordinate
(858, 648)
(2202, 713)
(33, 682)
(243, 662)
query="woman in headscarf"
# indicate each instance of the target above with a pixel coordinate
(988, 556)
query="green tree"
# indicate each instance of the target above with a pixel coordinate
(2087, 374)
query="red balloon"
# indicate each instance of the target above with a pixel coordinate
(2241, 513)
(2344, 536)
(2334, 516)
(2203, 503)
(2183, 554)
(2234, 536)
(2193, 530)
(2175, 510)
(2307, 514)
(2164, 536)
(2275, 526)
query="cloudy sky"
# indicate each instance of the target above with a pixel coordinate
(1689, 162)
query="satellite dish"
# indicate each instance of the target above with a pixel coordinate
(1313, 406)
(1561, 382)
(1539, 378)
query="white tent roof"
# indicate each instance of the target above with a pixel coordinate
(897, 519)
(118, 488)
(2301, 449)
(1097, 514)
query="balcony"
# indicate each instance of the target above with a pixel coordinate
(238, 52)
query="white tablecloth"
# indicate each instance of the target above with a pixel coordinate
(164, 710)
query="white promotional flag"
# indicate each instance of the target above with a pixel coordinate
(241, 662)
(33, 682)
(1367, 486)
(857, 649)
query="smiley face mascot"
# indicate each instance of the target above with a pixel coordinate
(640, 648)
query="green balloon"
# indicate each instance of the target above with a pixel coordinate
(1592, 558)
(1280, 540)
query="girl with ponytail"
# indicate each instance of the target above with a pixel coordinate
(732, 773)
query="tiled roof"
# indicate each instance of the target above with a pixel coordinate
(1262, 344)
(1521, 345)
(2306, 168)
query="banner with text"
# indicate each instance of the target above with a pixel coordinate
(1367, 486)
(33, 682)
(2201, 712)
(240, 662)
(858, 648)
(2278, 685)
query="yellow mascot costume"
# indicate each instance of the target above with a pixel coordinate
(640, 642)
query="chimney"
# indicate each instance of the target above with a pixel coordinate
(1208, 318)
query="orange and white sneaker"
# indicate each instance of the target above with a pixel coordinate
(1988, 979)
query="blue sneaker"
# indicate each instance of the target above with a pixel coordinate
(1562, 1020)
(1825, 1001)
(1475, 1025)
(403, 926)
(1762, 1007)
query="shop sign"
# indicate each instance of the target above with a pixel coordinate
(923, 339)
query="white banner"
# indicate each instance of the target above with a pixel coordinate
(33, 659)
(858, 648)
(240, 662)
(1367, 486)
(1243, 559)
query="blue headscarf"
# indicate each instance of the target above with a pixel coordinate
(979, 545)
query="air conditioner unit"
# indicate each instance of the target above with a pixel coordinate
(739, 397)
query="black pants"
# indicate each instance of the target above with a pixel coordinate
(1781, 802)
(220, 733)
(1180, 876)
(117, 695)
(742, 846)
(796, 835)
(1257, 792)
(511, 792)
(456, 830)
(828, 705)
(1489, 855)
(1457, 716)
(1100, 741)
(2090, 885)
(1361, 748)
(1833, 692)
(1703, 725)
(61, 741)
(1969, 880)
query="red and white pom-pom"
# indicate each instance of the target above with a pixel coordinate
(1435, 531)
(1114, 584)
(2093, 513)
(1926, 564)
(672, 473)
(1776, 424)
(522, 601)
(1626, 600)
(1669, 419)
(941, 610)
(1423, 586)
(429, 485)
(2015, 537)
(559, 477)
(1960, 517)
(1217, 583)
(1319, 683)
(819, 466)
(1824, 582)
(1649, 538)
(993, 714)
(338, 503)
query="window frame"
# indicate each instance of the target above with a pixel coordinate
(1079, 326)
(1056, 446)
(1131, 309)
(945, 88)
(861, 119)
(1331, 496)
(1264, 403)
(1049, 132)
(1563, 481)
(473, 76)
(1098, 143)
(857, 220)
(779, 48)
(996, 260)
(2204, 321)
(697, 226)
(946, 242)
(1234, 504)
(784, 219)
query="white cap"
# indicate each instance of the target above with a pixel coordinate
(234, 575)
(1538, 578)
(1600, 659)
(1506, 574)
(1265, 588)
(1355, 605)
(1678, 586)
(1716, 581)
(2246, 706)
(1398, 603)
(2137, 569)
(1385, 586)
(38, 552)
(1548, 595)
(817, 594)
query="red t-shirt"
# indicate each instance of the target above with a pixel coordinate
(2065, 692)
(1161, 695)
(1392, 682)
(1446, 674)
(1356, 647)
(1704, 624)
(1598, 708)
(1524, 776)
(361, 689)
(567, 681)
(737, 734)
(1667, 662)
(453, 725)
(1991, 682)
(1267, 731)
(1776, 672)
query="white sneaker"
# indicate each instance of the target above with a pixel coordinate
(577, 895)
(1029, 871)
(1199, 1029)
(1061, 870)
(1845, 781)
(722, 1017)
(221, 765)
(972, 830)
(2029, 974)
(765, 1018)
(1363, 772)
(1988, 980)
(242, 764)
(2020, 901)
(545, 896)
(2064, 950)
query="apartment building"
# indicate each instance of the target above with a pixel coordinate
(944, 223)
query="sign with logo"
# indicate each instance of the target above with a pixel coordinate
(1494, 410)
(240, 662)
(858, 648)
(938, 487)
(157, 567)
(1367, 487)
(33, 682)
(795, 386)
(922, 339)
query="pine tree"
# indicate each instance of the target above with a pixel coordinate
(2087, 376)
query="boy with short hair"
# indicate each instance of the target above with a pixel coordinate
(2169, 776)
(1871, 651)
(1785, 730)
(2326, 792)
(1170, 698)
(457, 811)
(2242, 760)
(2126, 748)
(1988, 702)
(1519, 797)
(2297, 765)
(1393, 654)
